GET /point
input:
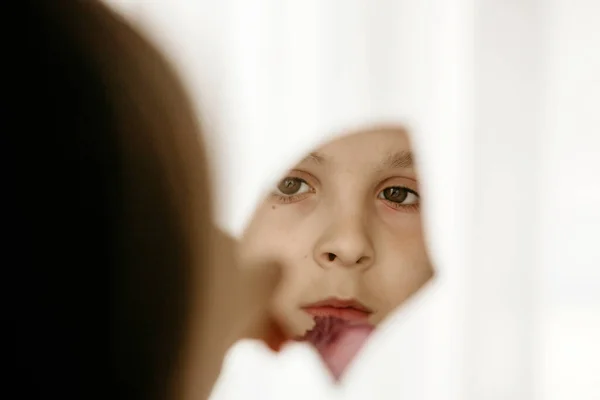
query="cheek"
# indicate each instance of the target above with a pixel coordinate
(296, 288)
(301, 283)
(269, 233)
(402, 268)
(273, 235)
(398, 223)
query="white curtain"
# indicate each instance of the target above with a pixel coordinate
(503, 102)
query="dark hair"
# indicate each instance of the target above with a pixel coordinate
(108, 214)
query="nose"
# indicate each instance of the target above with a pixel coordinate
(345, 243)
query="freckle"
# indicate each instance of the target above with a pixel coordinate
(306, 256)
(273, 207)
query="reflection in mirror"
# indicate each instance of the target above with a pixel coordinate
(346, 222)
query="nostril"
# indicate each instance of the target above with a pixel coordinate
(331, 256)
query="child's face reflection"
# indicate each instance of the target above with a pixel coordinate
(346, 221)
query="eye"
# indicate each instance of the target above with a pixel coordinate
(399, 196)
(291, 186)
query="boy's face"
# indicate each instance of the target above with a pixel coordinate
(346, 223)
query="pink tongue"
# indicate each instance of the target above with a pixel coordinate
(338, 341)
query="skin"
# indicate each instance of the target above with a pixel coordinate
(346, 223)
(231, 303)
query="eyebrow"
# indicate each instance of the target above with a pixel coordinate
(401, 159)
(314, 157)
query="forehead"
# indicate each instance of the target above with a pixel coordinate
(384, 148)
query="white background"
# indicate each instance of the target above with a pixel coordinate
(503, 101)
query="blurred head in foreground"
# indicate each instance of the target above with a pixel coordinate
(110, 218)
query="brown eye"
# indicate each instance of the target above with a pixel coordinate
(291, 186)
(400, 195)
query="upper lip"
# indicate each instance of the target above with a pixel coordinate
(340, 303)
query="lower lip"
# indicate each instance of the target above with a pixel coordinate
(348, 314)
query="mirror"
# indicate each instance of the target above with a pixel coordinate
(346, 222)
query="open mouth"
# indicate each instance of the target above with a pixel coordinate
(341, 329)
